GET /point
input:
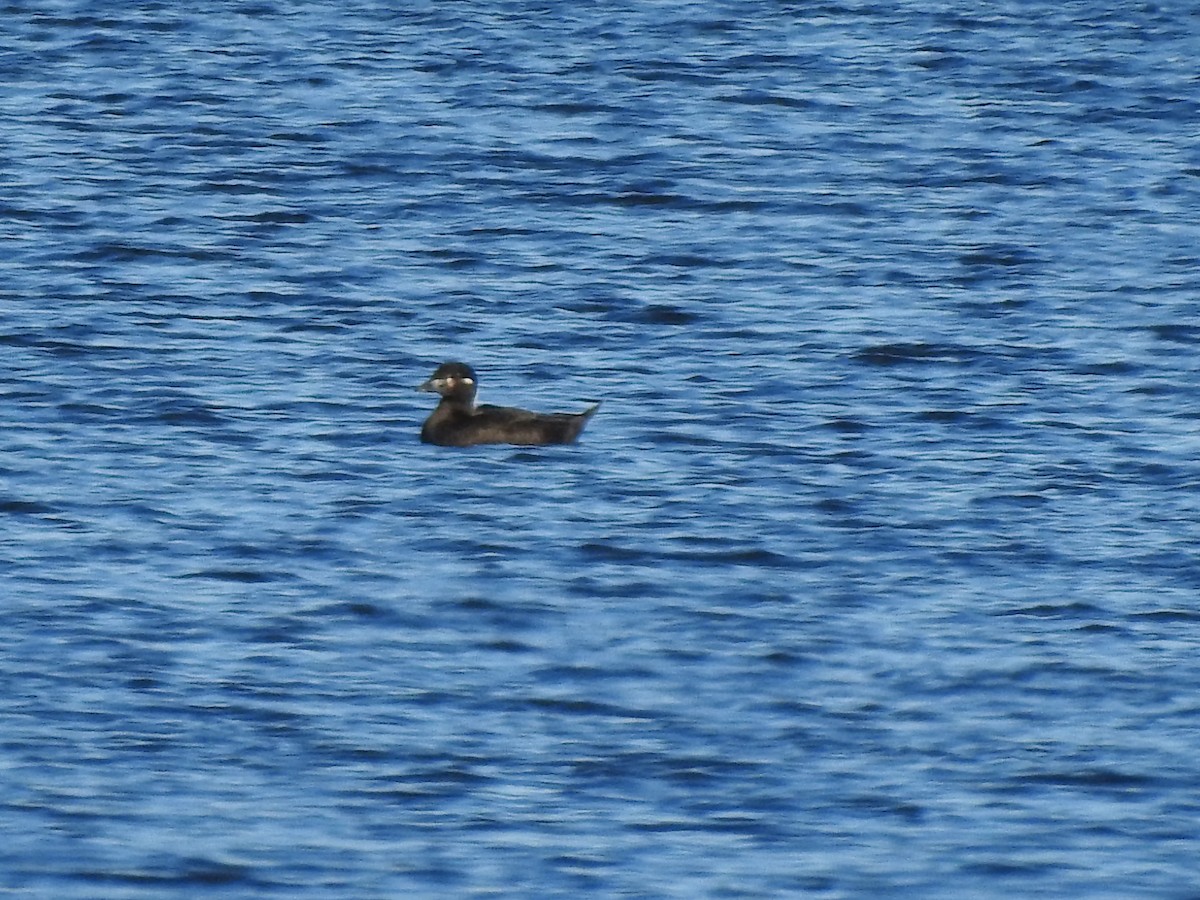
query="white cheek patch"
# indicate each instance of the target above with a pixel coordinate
(468, 381)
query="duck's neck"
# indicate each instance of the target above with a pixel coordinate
(459, 402)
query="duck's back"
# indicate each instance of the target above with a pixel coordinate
(453, 426)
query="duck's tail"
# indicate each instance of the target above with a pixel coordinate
(576, 423)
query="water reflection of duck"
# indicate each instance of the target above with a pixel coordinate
(458, 422)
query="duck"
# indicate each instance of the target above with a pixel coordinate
(458, 422)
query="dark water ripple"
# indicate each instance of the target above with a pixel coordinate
(876, 576)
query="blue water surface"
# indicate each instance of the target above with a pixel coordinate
(877, 574)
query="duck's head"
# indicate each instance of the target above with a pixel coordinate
(453, 380)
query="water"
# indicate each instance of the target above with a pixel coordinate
(875, 576)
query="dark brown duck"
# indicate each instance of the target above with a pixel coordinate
(458, 422)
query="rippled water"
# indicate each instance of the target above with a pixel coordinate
(875, 576)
